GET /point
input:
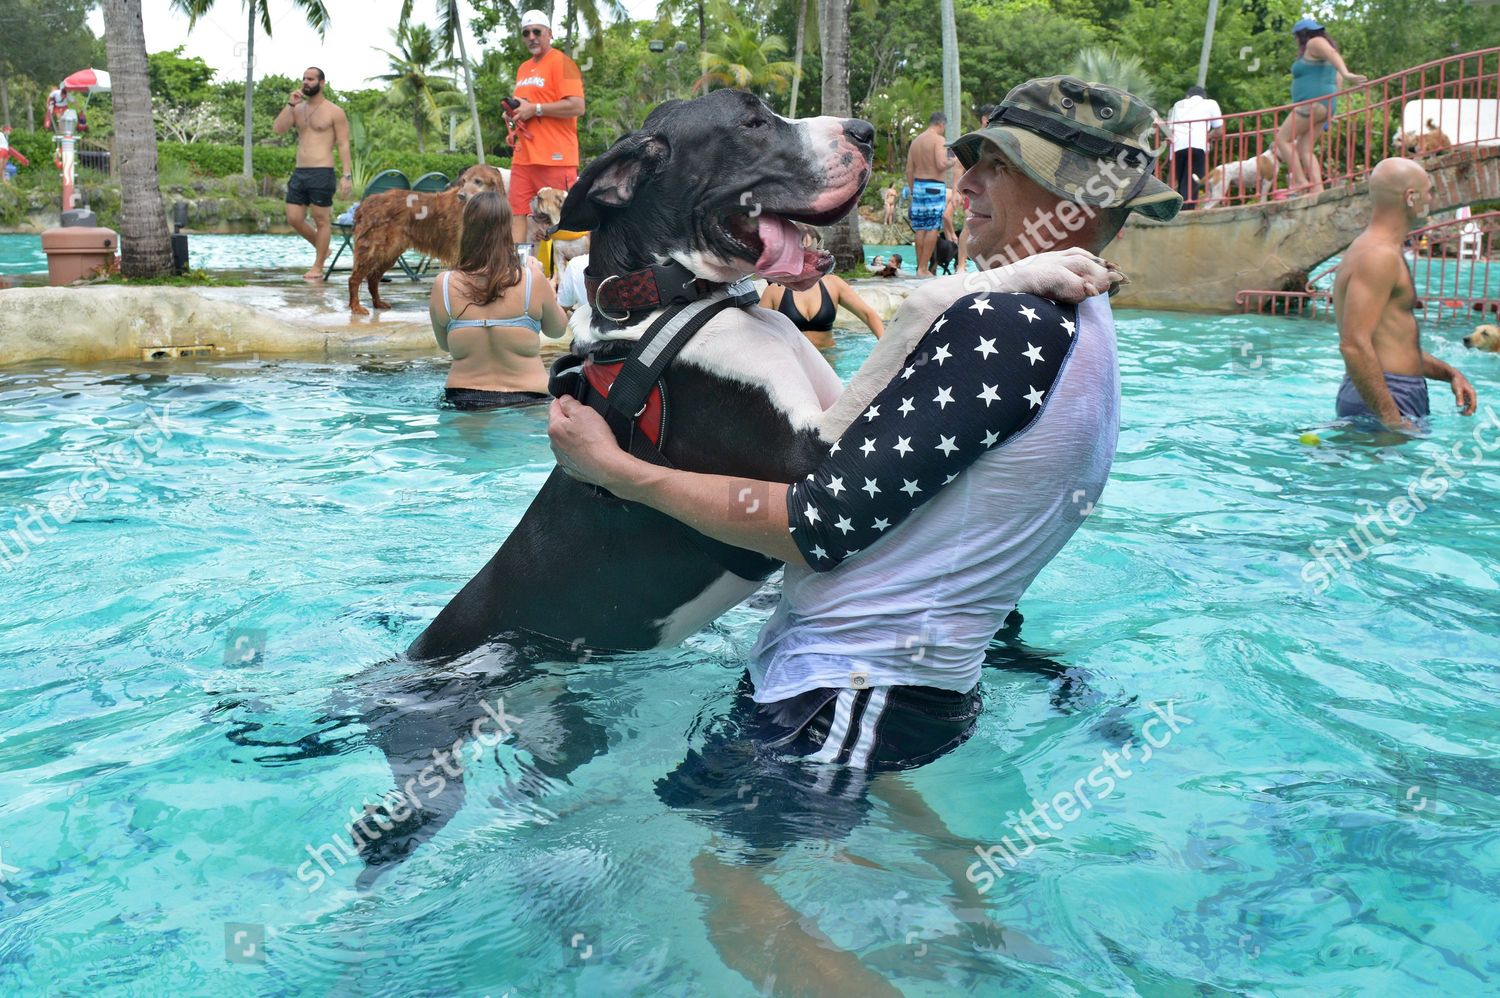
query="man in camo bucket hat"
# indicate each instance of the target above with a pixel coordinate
(1090, 143)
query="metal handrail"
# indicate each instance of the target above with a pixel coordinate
(1362, 132)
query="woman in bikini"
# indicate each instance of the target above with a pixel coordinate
(814, 310)
(1315, 73)
(488, 313)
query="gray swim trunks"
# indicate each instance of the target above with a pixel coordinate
(1408, 390)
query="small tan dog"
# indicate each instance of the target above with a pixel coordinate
(1258, 170)
(1485, 337)
(1434, 140)
(546, 209)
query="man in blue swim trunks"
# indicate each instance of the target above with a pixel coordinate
(1373, 296)
(929, 171)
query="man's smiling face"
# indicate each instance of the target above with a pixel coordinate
(1001, 199)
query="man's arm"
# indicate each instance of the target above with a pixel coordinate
(341, 135)
(1463, 392)
(911, 174)
(1365, 300)
(286, 118)
(566, 107)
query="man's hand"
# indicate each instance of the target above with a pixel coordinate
(1463, 394)
(584, 446)
(295, 97)
(1069, 275)
(346, 187)
(524, 111)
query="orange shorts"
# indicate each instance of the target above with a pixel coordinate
(526, 180)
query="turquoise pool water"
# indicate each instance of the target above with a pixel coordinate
(22, 254)
(174, 659)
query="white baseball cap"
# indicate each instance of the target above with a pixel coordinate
(535, 18)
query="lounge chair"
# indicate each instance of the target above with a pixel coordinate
(385, 180)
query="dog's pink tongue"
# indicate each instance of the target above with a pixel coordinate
(781, 249)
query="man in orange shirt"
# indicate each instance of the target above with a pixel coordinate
(549, 91)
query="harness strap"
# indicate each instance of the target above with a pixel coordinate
(631, 391)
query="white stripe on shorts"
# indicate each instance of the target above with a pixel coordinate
(860, 757)
(834, 743)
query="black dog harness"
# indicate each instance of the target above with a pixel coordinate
(624, 382)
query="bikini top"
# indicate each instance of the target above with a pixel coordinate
(523, 321)
(821, 322)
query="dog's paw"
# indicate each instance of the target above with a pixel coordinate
(1069, 275)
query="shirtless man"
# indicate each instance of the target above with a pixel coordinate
(929, 171)
(1373, 296)
(319, 123)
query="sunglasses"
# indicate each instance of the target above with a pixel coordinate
(532, 33)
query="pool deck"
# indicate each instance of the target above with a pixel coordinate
(283, 317)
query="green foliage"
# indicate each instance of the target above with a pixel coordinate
(1097, 64)
(213, 160)
(41, 41)
(416, 85)
(741, 55)
(197, 278)
(179, 80)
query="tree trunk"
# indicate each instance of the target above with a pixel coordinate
(248, 165)
(145, 244)
(950, 72)
(420, 123)
(463, 56)
(833, 27)
(797, 59)
(702, 28)
(4, 101)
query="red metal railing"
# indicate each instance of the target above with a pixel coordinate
(1452, 269)
(1373, 121)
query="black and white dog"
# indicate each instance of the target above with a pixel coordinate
(711, 186)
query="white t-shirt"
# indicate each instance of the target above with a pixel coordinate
(1192, 118)
(570, 290)
(920, 605)
(4, 144)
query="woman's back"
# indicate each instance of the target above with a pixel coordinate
(495, 346)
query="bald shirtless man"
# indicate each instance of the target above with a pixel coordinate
(319, 123)
(1373, 296)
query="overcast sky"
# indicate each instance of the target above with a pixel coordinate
(348, 55)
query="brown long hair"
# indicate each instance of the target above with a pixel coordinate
(1303, 37)
(486, 253)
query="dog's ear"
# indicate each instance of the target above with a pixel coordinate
(612, 180)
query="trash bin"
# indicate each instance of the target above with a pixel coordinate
(77, 252)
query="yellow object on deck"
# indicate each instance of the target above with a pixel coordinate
(544, 248)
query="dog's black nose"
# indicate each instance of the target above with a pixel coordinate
(862, 132)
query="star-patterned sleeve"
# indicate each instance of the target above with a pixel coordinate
(979, 375)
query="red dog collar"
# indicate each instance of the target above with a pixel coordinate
(614, 297)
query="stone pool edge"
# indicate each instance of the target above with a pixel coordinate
(86, 325)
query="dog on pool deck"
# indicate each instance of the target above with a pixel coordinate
(1257, 173)
(546, 209)
(944, 255)
(1485, 337)
(391, 222)
(1418, 144)
(750, 396)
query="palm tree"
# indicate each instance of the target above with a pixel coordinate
(843, 241)
(450, 30)
(669, 12)
(802, 11)
(593, 14)
(313, 10)
(743, 58)
(412, 79)
(145, 244)
(950, 71)
(1096, 64)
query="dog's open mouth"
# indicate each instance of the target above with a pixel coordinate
(773, 242)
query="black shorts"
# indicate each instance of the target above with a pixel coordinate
(777, 773)
(311, 185)
(480, 398)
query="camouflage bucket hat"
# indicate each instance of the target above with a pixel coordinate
(1087, 142)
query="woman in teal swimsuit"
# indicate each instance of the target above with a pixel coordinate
(1315, 73)
(489, 313)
